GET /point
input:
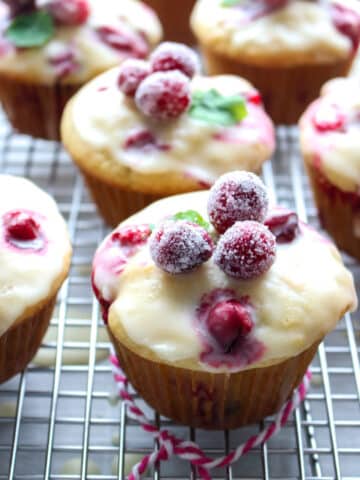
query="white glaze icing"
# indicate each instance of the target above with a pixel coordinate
(300, 32)
(26, 278)
(296, 302)
(336, 153)
(91, 54)
(105, 118)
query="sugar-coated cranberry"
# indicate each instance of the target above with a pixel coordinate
(237, 196)
(164, 95)
(21, 226)
(284, 225)
(174, 56)
(132, 235)
(18, 7)
(329, 117)
(246, 250)
(69, 12)
(124, 40)
(227, 321)
(132, 73)
(180, 247)
(347, 21)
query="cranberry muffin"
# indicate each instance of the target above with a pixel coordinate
(330, 143)
(35, 256)
(50, 48)
(287, 48)
(146, 130)
(213, 303)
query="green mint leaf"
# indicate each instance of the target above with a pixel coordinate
(214, 108)
(192, 216)
(31, 30)
(229, 3)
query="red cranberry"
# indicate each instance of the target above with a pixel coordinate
(164, 95)
(347, 21)
(227, 321)
(328, 117)
(69, 12)
(132, 235)
(124, 40)
(174, 56)
(246, 250)
(254, 97)
(63, 61)
(21, 226)
(284, 225)
(144, 140)
(237, 196)
(18, 7)
(180, 247)
(132, 73)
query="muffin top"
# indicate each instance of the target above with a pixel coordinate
(279, 32)
(330, 133)
(72, 41)
(190, 296)
(177, 133)
(34, 249)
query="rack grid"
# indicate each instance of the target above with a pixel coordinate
(61, 418)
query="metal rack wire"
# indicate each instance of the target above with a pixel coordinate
(60, 419)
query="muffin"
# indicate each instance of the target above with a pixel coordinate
(48, 51)
(138, 136)
(216, 325)
(287, 48)
(35, 256)
(330, 143)
(175, 20)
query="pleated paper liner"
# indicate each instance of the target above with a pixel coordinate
(286, 92)
(339, 211)
(35, 109)
(209, 400)
(19, 344)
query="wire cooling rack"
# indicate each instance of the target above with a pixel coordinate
(61, 418)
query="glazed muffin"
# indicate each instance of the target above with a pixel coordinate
(48, 51)
(35, 256)
(175, 20)
(287, 48)
(138, 135)
(330, 143)
(215, 325)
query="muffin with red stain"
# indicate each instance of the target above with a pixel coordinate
(330, 143)
(216, 302)
(287, 48)
(50, 48)
(151, 129)
(35, 256)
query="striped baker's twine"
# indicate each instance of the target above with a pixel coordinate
(169, 444)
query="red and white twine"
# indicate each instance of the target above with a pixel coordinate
(169, 444)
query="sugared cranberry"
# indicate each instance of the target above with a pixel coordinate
(132, 235)
(21, 226)
(329, 117)
(246, 250)
(174, 56)
(18, 7)
(164, 95)
(69, 12)
(124, 40)
(237, 196)
(227, 321)
(180, 247)
(132, 73)
(347, 21)
(284, 225)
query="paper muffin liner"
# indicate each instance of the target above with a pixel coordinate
(35, 109)
(209, 400)
(175, 20)
(339, 211)
(286, 92)
(19, 344)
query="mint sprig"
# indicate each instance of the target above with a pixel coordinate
(214, 108)
(31, 30)
(229, 3)
(192, 216)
